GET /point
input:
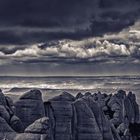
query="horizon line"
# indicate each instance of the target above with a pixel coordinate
(40, 76)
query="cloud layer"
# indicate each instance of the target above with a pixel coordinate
(121, 47)
(61, 35)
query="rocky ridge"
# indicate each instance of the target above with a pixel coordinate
(65, 117)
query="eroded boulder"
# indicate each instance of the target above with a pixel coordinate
(4, 113)
(65, 96)
(40, 126)
(10, 104)
(79, 95)
(30, 107)
(59, 110)
(132, 108)
(32, 94)
(102, 121)
(87, 127)
(16, 124)
(4, 126)
(116, 104)
(2, 99)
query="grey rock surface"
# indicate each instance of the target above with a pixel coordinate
(30, 107)
(132, 108)
(30, 136)
(40, 126)
(4, 126)
(102, 121)
(32, 94)
(2, 99)
(16, 124)
(87, 127)
(65, 117)
(61, 113)
(4, 113)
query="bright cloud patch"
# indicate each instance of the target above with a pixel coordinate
(91, 49)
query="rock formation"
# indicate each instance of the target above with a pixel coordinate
(30, 107)
(39, 130)
(87, 127)
(65, 117)
(132, 109)
(62, 114)
(9, 122)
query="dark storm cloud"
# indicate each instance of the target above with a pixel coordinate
(56, 36)
(69, 57)
(10, 49)
(116, 3)
(88, 51)
(113, 21)
(27, 35)
(81, 18)
(44, 12)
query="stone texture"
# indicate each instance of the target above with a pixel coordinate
(32, 94)
(16, 124)
(95, 109)
(87, 127)
(102, 121)
(4, 126)
(132, 109)
(84, 117)
(79, 95)
(9, 101)
(116, 104)
(2, 99)
(7, 135)
(10, 104)
(115, 133)
(87, 94)
(49, 113)
(9, 123)
(101, 100)
(30, 109)
(59, 110)
(40, 126)
(65, 96)
(4, 113)
(30, 136)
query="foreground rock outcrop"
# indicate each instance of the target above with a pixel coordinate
(30, 107)
(60, 111)
(9, 122)
(39, 130)
(65, 117)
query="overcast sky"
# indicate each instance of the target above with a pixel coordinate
(69, 37)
